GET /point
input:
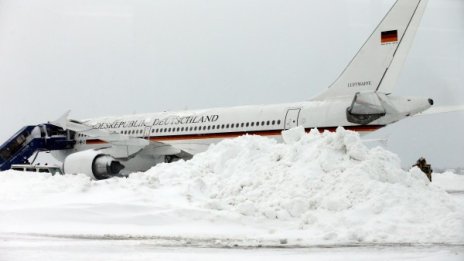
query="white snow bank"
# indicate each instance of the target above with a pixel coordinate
(448, 181)
(316, 188)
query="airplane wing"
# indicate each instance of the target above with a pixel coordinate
(119, 145)
(104, 135)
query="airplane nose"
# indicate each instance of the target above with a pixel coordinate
(430, 101)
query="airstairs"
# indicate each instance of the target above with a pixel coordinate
(31, 139)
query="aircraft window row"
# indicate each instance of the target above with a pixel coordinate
(216, 127)
(199, 128)
(131, 132)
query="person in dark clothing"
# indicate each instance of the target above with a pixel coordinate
(426, 168)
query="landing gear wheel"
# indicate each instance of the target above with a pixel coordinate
(170, 158)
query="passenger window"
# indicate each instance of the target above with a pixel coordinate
(247, 124)
(257, 123)
(252, 124)
(278, 122)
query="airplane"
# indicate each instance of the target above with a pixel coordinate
(360, 99)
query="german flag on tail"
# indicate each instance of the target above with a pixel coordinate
(389, 36)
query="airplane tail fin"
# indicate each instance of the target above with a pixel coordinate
(377, 64)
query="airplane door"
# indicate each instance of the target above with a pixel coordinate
(148, 123)
(291, 118)
(146, 132)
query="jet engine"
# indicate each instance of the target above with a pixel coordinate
(93, 163)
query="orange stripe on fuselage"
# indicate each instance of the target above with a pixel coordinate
(93, 142)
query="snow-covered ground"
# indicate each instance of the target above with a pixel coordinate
(314, 190)
(23, 247)
(449, 181)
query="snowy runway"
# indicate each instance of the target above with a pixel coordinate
(23, 247)
(325, 195)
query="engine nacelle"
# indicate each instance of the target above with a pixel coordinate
(92, 163)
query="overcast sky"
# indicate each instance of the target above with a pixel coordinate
(110, 57)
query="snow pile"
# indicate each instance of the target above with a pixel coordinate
(328, 181)
(314, 188)
(449, 181)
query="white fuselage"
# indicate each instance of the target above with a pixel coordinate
(193, 131)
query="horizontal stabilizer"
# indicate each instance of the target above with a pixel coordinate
(442, 109)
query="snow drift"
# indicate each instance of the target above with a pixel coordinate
(314, 188)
